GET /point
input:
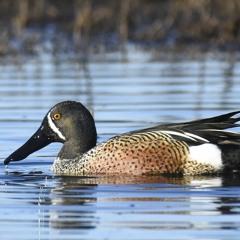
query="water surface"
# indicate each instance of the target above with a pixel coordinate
(148, 89)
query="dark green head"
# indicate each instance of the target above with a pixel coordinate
(67, 122)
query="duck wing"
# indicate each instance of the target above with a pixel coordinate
(207, 130)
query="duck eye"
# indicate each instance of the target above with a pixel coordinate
(57, 116)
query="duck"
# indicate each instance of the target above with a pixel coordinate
(204, 146)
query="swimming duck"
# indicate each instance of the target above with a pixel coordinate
(197, 147)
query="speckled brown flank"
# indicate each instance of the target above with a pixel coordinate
(142, 153)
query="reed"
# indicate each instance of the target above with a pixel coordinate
(212, 22)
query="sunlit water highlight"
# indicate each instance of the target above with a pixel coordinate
(148, 89)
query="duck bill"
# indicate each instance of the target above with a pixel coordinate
(37, 141)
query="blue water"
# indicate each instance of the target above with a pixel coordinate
(148, 89)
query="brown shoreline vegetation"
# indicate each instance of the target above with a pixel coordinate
(85, 24)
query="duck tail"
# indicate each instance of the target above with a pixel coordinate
(220, 122)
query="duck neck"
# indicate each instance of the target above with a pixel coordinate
(78, 145)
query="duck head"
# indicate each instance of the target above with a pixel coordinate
(67, 122)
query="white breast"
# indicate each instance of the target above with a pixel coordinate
(207, 153)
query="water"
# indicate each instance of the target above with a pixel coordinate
(148, 89)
